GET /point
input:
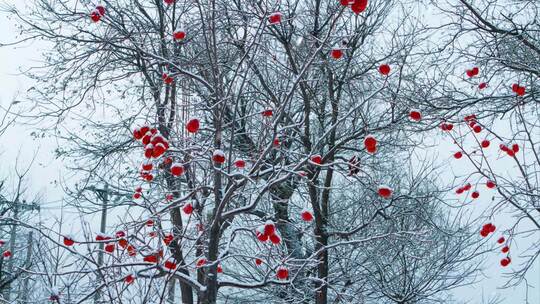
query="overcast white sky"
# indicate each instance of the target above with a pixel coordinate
(46, 170)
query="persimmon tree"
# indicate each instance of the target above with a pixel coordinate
(258, 143)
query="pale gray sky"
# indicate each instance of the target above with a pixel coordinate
(46, 170)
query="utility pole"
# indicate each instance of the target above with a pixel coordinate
(25, 290)
(13, 238)
(9, 262)
(103, 195)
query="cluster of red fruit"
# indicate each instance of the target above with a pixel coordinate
(510, 151)
(472, 72)
(357, 6)
(475, 194)
(487, 229)
(447, 126)
(472, 123)
(505, 261)
(97, 13)
(7, 253)
(155, 145)
(519, 90)
(268, 232)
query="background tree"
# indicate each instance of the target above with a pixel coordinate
(497, 116)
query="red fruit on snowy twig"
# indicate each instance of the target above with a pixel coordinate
(282, 273)
(370, 143)
(258, 262)
(515, 148)
(490, 184)
(358, 6)
(153, 258)
(101, 10)
(218, 157)
(95, 16)
(201, 262)
(261, 236)
(458, 155)
(267, 113)
(177, 169)
(505, 249)
(501, 240)
(137, 134)
(316, 159)
(336, 53)
(167, 239)
(131, 250)
(485, 143)
(188, 208)
(6, 254)
(158, 150)
(274, 18)
(384, 69)
(275, 239)
(109, 248)
(505, 262)
(193, 125)
(482, 85)
(415, 115)
(167, 79)
(384, 191)
(123, 243)
(102, 237)
(447, 126)
(269, 228)
(240, 164)
(306, 215)
(129, 279)
(68, 241)
(487, 229)
(472, 72)
(475, 194)
(170, 265)
(179, 35)
(519, 90)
